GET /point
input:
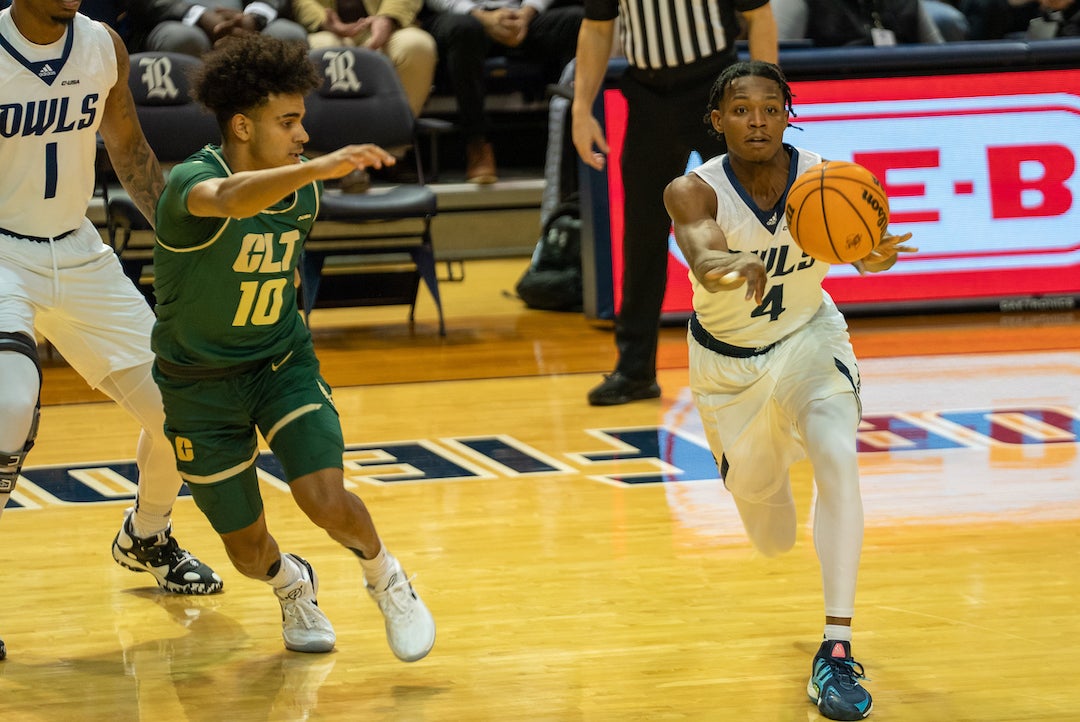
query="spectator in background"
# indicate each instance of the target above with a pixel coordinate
(468, 31)
(388, 26)
(1031, 19)
(180, 26)
(949, 19)
(111, 12)
(830, 23)
(1065, 14)
(993, 19)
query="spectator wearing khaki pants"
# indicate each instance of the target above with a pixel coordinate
(383, 25)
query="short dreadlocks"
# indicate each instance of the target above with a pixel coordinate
(744, 69)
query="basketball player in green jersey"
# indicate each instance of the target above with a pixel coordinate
(233, 355)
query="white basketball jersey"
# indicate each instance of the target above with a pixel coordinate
(52, 98)
(793, 290)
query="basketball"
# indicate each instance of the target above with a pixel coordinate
(837, 211)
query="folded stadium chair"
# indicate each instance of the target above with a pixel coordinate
(375, 247)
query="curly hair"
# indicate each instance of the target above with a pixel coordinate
(243, 71)
(744, 69)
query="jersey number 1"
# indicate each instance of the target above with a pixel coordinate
(51, 172)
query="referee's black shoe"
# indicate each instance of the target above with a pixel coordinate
(618, 389)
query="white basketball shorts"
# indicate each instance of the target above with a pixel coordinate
(749, 407)
(76, 294)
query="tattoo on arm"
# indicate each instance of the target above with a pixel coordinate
(134, 163)
(143, 180)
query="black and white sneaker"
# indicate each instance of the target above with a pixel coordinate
(3, 650)
(175, 569)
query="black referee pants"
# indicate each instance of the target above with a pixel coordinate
(666, 111)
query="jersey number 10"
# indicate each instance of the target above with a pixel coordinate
(260, 302)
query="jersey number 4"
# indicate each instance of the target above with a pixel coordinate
(772, 305)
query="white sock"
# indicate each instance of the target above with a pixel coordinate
(159, 482)
(288, 574)
(377, 571)
(145, 524)
(837, 633)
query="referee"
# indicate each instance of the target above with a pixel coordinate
(675, 50)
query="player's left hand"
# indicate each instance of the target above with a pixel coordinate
(884, 256)
(344, 160)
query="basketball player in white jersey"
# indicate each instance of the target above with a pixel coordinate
(63, 78)
(772, 370)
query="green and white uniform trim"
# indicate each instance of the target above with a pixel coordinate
(225, 287)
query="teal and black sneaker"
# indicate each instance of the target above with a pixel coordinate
(834, 684)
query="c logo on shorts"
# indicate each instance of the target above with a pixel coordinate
(185, 451)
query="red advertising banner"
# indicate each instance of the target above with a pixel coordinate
(981, 168)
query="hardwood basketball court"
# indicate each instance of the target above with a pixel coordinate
(581, 563)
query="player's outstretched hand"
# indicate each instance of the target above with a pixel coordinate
(352, 157)
(884, 256)
(725, 271)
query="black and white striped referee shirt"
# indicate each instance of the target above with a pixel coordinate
(672, 33)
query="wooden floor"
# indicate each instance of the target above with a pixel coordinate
(582, 564)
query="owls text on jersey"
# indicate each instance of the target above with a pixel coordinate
(793, 289)
(52, 98)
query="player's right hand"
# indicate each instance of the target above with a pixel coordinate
(726, 270)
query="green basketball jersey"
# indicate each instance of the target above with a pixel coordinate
(224, 286)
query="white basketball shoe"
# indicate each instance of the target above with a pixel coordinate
(410, 628)
(303, 625)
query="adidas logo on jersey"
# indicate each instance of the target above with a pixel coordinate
(772, 220)
(46, 71)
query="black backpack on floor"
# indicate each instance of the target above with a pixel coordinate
(553, 280)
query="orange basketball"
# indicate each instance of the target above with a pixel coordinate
(837, 211)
